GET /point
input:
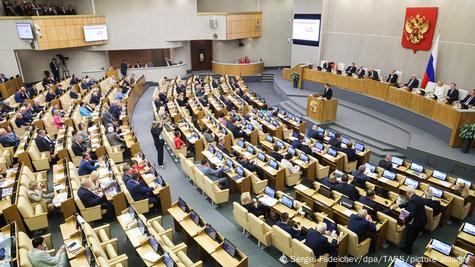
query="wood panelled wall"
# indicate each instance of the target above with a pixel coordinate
(64, 31)
(245, 25)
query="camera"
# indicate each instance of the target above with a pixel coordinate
(62, 57)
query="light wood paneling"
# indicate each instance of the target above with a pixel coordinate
(238, 69)
(246, 25)
(65, 31)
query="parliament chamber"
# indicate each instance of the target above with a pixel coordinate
(236, 133)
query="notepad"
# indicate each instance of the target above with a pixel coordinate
(59, 198)
(151, 256)
(347, 213)
(268, 201)
(301, 187)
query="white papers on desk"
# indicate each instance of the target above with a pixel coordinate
(92, 129)
(58, 187)
(300, 187)
(138, 236)
(59, 198)
(103, 171)
(347, 212)
(150, 176)
(7, 182)
(73, 246)
(383, 179)
(268, 201)
(151, 256)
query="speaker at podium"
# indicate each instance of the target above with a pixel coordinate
(321, 109)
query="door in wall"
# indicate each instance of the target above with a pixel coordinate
(201, 54)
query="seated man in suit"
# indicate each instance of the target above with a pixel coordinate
(368, 200)
(350, 69)
(372, 74)
(114, 138)
(95, 97)
(362, 225)
(296, 143)
(39, 255)
(250, 165)
(360, 72)
(295, 232)
(313, 132)
(412, 83)
(276, 155)
(214, 175)
(140, 191)
(386, 163)
(20, 95)
(316, 240)
(349, 151)
(9, 139)
(90, 198)
(43, 142)
(432, 203)
(360, 178)
(330, 181)
(392, 78)
(115, 109)
(78, 146)
(222, 147)
(236, 130)
(37, 107)
(346, 188)
(50, 96)
(20, 121)
(87, 165)
(305, 147)
(469, 100)
(452, 94)
(336, 142)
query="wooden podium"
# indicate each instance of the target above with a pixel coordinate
(321, 109)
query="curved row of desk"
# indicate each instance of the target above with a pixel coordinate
(234, 69)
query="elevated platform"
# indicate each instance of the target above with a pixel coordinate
(383, 127)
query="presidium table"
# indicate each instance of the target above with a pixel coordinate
(447, 115)
(321, 109)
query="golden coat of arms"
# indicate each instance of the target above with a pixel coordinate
(314, 106)
(415, 28)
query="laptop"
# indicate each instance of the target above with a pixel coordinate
(239, 173)
(397, 161)
(441, 247)
(291, 150)
(319, 146)
(229, 163)
(400, 263)
(412, 183)
(416, 167)
(261, 156)
(287, 201)
(468, 183)
(359, 147)
(229, 248)
(142, 227)
(467, 259)
(381, 191)
(269, 138)
(331, 226)
(370, 167)
(219, 155)
(273, 164)
(275, 123)
(155, 245)
(320, 131)
(436, 191)
(182, 204)
(325, 191)
(346, 202)
(469, 228)
(132, 212)
(331, 152)
(211, 149)
(250, 127)
(439, 175)
(331, 134)
(167, 260)
(250, 150)
(269, 191)
(211, 232)
(345, 140)
(389, 175)
(371, 212)
(240, 143)
(303, 157)
(280, 144)
(195, 217)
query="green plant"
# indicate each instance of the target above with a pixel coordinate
(295, 76)
(467, 131)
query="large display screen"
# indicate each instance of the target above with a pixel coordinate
(94, 33)
(24, 31)
(306, 29)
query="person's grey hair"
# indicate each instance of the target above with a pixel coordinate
(428, 193)
(321, 227)
(362, 213)
(410, 190)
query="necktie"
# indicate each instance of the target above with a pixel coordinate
(468, 100)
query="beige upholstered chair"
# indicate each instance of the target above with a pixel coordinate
(216, 194)
(356, 248)
(34, 215)
(394, 233)
(260, 230)
(302, 251)
(348, 167)
(432, 221)
(240, 216)
(292, 179)
(460, 209)
(282, 241)
(39, 159)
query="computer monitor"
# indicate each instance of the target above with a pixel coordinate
(304, 157)
(469, 228)
(345, 140)
(436, 191)
(260, 115)
(389, 174)
(250, 127)
(269, 138)
(275, 123)
(132, 212)
(274, 164)
(381, 191)
(159, 180)
(261, 156)
(240, 170)
(439, 175)
(331, 134)
(182, 204)
(325, 191)
(332, 152)
(89, 256)
(461, 180)
(195, 217)
(412, 183)
(291, 150)
(298, 119)
(280, 144)
(346, 202)
(397, 161)
(441, 247)
(211, 232)
(229, 162)
(243, 121)
(211, 149)
(154, 244)
(267, 119)
(219, 155)
(319, 145)
(167, 260)
(269, 191)
(331, 226)
(400, 263)
(416, 167)
(240, 143)
(229, 248)
(320, 131)
(359, 147)
(370, 167)
(287, 201)
(224, 131)
(467, 259)
(250, 150)
(141, 227)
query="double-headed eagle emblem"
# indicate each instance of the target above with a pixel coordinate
(314, 106)
(415, 28)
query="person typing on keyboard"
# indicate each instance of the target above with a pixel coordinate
(214, 175)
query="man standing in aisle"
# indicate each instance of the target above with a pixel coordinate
(156, 130)
(415, 219)
(54, 66)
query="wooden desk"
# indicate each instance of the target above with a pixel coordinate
(9, 87)
(233, 69)
(321, 110)
(224, 259)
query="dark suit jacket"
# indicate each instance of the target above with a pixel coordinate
(78, 149)
(296, 143)
(306, 149)
(49, 97)
(326, 182)
(350, 69)
(348, 189)
(88, 198)
(417, 214)
(386, 165)
(138, 191)
(223, 148)
(312, 134)
(471, 102)
(368, 202)
(43, 144)
(412, 83)
(20, 122)
(289, 229)
(373, 75)
(328, 93)
(319, 243)
(360, 227)
(20, 97)
(257, 211)
(115, 112)
(95, 99)
(156, 136)
(434, 204)
(86, 167)
(278, 157)
(360, 178)
(392, 78)
(350, 153)
(453, 94)
(335, 143)
(360, 72)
